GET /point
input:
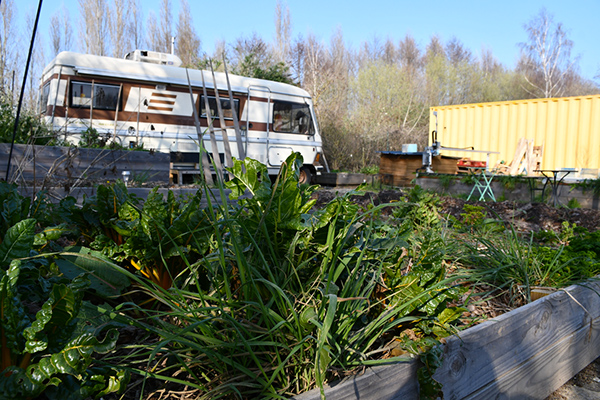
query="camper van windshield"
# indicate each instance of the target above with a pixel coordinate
(291, 117)
(214, 112)
(106, 97)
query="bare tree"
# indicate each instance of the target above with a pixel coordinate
(283, 28)
(317, 68)
(409, 53)
(435, 47)
(297, 59)
(546, 61)
(61, 32)
(95, 26)
(120, 23)
(9, 45)
(136, 27)
(371, 51)
(457, 53)
(390, 52)
(188, 42)
(160, 30)
(36, 64)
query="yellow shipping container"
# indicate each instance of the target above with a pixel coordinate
(568, 128)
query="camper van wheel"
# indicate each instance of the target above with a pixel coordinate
(305, 175)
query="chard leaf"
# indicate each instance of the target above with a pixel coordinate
(18, 241)
(66, 374)
(105, 277)
(56, 316)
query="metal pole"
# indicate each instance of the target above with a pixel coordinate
(12, 144)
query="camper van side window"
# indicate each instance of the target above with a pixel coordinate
(214, 111)
(44, 98)
(106, 97)
(291, 117)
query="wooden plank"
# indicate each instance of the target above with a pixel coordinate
(549, 370)
(529, 157)
(481, 355)
(519, 154)
(73, 163)
(393, 382)
(526, 354)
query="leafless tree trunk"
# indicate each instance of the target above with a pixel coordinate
(160, 30)
(546, 61)
(136, 27)
(36, 66)
(188, 42)
(61, 32)
(9, 44)
(283, 27)
(95, 26)
(120, 22)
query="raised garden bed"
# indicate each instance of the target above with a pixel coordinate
(527, 353)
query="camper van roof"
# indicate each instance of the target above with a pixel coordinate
(92, 65)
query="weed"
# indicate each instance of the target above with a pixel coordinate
(573, 203)
(446, 181)
(370, 170)
(592, 185)
(509, 182)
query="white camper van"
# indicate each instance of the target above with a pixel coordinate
(144, 100)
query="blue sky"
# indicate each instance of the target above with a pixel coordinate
(497, 26)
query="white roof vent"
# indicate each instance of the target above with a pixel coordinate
(154, 57)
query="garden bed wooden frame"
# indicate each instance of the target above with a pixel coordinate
(527, 353)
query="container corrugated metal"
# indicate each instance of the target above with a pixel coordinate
(568, 128)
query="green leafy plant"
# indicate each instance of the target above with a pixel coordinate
(43, 349)
(446, 181)
(159, 239)
(279, 284)
(586, 185)
(511, 263)
(370, 170)
(573, 203)
(420, 208)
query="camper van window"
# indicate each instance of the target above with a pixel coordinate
(106, 97)
(214, 111)
(44, 98)
(291, 117)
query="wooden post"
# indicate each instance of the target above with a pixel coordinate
(211, 130)
(117, 110)
(236, 122)
(203, 156)
(227, 148)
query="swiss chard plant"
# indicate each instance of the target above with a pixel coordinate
(159, 239)
(43, 348)
(294, 294)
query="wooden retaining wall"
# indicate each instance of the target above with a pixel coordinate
(527, 353)
(72, 163)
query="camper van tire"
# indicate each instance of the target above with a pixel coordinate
(305, 175)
